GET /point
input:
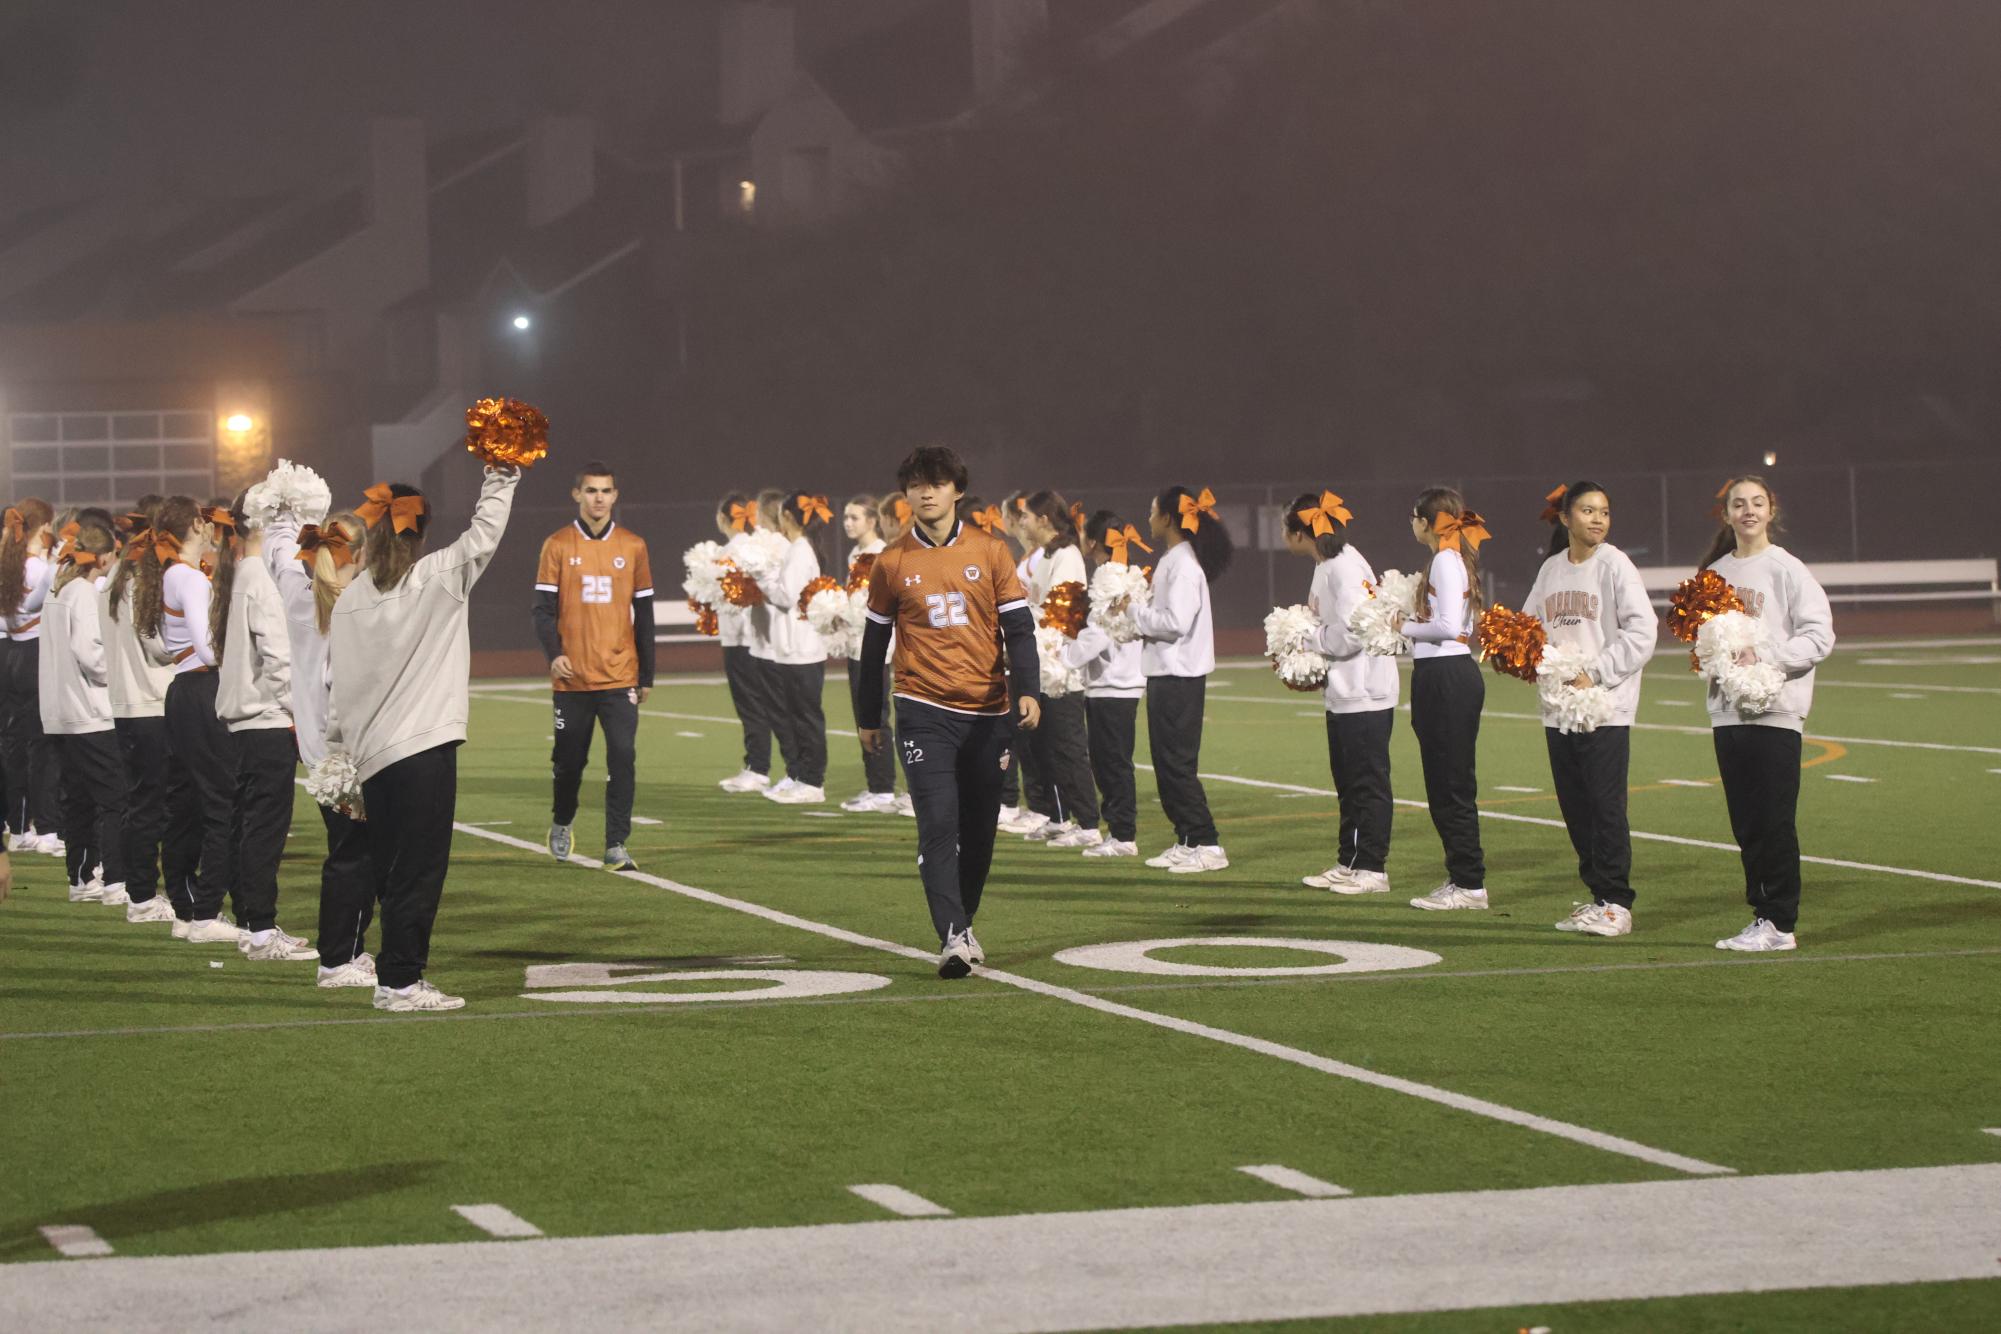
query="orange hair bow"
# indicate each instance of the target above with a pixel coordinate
(902, 511)
(166, 547)
(1321, 518)
(14, 524)
(69, 532)
(1077, 516)
(1722, 494)
(989, 518)
(403, 511)
(813, 507)
(1456, 531)
(313, 539)
(220, 517)
(743, 517)
(1120, 544)
(1021, 504)
(1552, 509)
(81, 559)
(131, 523)
(1194, 507)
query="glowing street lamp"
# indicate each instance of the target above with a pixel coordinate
(239, 422)
(522, 323)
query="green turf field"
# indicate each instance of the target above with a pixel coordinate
(176, 1108)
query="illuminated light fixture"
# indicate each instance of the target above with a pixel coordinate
(522, 322)
(239, 422)
(1771, 458)
(746, 195)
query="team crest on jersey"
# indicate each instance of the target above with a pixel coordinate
(618, 562)
(973, 573)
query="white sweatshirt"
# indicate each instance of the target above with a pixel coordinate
(1065, 565)
(1778, 589)
(1111, 671)
(1357, 682)
(794, 643)
(1450, 608)
(1175, 627)
(75, 692)
(37, 577)
(401, 659)
(184, 594)
(1600, 605)
(752, 625)
(254, 688)
(138, 684)
(302, 627)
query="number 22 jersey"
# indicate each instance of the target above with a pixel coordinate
(944, 602)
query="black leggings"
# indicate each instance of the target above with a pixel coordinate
(1113, 723)
(1760, 767)
(1062, 757)
(410, 806)
(201, 800)
(27, 755)
(1446, 696)
(880, 768)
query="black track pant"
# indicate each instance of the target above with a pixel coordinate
(1063, 757)
(410, 806)
(27, 756)
(142, 746)
(1446, 696)
(94, 812)
(347, 889)
(267, 758)
(880, 768)
(1114, 724)
(748, 696)
(1358, 752)
(1760, 767)
(1589, 770)
(1174, 744)
(201, 800)
(617, 711)
(952, 768)
(801, 721)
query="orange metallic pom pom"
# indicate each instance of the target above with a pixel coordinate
(818, 584)
(858, 573)
(1066, 607)
(1696, 600)
(706, 620)
(740, 588)
(505, 432)
(1512, 641)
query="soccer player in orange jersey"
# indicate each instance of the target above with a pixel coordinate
(950, 594)
(594, 616)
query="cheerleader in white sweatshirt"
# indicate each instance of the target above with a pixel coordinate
(798, 657)
(401, 662)
(1360, 696)
(736, 520)
(1061, 744)
(1758, 756)
(1589, 596)
(1114, 684)
(76, 713)
(28, 759)
(861, 521)
(138, 689)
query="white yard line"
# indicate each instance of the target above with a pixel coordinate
(1287, 1178)
(1293, 1055)
(73, 1241)
(496, 1220)
(1107, 1269)
(1848, 778)
(1911, 685)
(1685, 782)
(1517, 818)
(652, 713)
(900, 1201)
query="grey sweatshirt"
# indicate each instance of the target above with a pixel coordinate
(401, 660)
(75, 697)
(138, 683)
(254, 687)
(1778, 590)
(1357, 682)
(1600, 605)
(309, 646)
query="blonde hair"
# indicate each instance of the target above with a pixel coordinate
(327, 585)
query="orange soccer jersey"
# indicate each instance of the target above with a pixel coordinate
(945, 604)
(595, 580)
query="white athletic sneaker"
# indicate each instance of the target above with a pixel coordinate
(1025, 822)
(350, 974)
(1449, 896)
(1008, 815)
(1113, 847)
(905, 806)
(1050, 830)
(214, 931)
(91, 892)
(1078, 839)
(181, 924)
(789, 793)
(956, 959)
(416, 996)
(1341, 880)
(155, 909)
(1172, 857)
(973, 944)
(1208, 857)
(750, 780)
(1758, 937)
(49, 845)
(561, 839)
(870, 803)
(1598, 919)
(281, 947)
(771, 791)
(1327, 878)
(114, 896)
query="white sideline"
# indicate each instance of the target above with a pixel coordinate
(1294, 1055)
(496, 1220)
(1296, 1181)
(900, 1201)
(73, 1241)
(1109, 1269)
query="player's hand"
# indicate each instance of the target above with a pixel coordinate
(1582, 681)
(871, 740)
(1031, 713)
(643, 692)
(562, 669)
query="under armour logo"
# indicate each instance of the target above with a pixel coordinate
(910, 579)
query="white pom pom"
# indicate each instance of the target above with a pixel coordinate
(1292, 642)
(289, 488)
(1117, 592)
(1058, 680)
(829, 615)
(1577, 709)
(335, 783)
(703, 562)
(760, 555)
(1750, 688)
(1373, 619)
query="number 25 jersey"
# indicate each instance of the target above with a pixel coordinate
(595, 580)
(944, 603)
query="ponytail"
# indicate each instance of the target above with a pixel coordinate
(1050, 507)
(229, 526)
(1432, 502)
(24, 518)
(1211, 540)
(175, 518)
